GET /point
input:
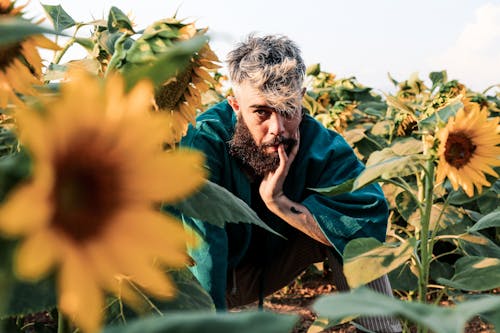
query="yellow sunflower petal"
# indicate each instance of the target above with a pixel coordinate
(16, 219)
(162, 175)
(79, 296)
(36, 255)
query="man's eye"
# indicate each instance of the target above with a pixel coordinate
(262, 113)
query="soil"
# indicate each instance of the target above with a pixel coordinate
(299, 295)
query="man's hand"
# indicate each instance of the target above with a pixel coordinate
(293, 213)
(271, 187)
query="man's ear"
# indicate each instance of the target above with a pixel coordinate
(234, 103)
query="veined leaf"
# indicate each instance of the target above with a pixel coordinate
(366, 259)
(475, 274)
(407, 146)
(191, 322)
(60, 19)
(336, 189)
(166, 66)
(365, 302)
(441, 115)
(393, 167)
(214, 204)
(14, 29)
(488, 221)
(117, 20)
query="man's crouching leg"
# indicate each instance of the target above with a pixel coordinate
(381, 285)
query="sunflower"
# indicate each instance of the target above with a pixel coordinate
(180, 96)
(89, 208)
(468, 149)
(20, 62)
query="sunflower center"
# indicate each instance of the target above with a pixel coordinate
(168, 95)
(87, 190)
(459, 149)
(8, 53)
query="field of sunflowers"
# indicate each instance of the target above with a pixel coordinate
(88, 149)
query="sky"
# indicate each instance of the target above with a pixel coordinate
(363, 38)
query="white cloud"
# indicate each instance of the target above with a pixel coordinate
(474, 58)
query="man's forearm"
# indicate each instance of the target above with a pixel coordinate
(299, 217)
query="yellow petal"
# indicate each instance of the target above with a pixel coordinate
(79, 296)
(36, 255)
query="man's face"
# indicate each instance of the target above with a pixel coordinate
(259, 132)
(266, 125)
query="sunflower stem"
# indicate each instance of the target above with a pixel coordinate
(425, 244)
(62, 323)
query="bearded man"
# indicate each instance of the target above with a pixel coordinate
(262, 147)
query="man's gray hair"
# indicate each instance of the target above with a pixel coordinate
(274, 66)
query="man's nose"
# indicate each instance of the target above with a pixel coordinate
(277, 124)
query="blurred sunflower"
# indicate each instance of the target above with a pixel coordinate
(20, 62)
(88, 210)
(180, 96)
(468, 149)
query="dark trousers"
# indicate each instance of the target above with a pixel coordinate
(252, 278)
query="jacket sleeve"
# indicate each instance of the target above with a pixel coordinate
(211, 256)
(362, 213)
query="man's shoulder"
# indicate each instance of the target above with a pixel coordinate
(218, 122)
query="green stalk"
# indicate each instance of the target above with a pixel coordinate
(425, 250)
(62, 323)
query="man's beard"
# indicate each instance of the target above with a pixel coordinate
(254, 157)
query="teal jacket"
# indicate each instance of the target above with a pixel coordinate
(324, 159)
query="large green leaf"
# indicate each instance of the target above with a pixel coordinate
(475, 274)
(441, 116)
(31, 297)
(189, 296)
(476, 244)
(118, 20)
(366, 259)
(398, 166)
(60, 19)
(166, 66)
(365, 302)
(216, 205)
(196, 322)
(488, 221)
(336, 189)
(406, 205)
(15, 29)
(402, 278)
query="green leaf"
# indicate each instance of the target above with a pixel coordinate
(440, 269)
(60, 19)
(190, 294)
(31, 297)
(475, 274)
(365, 302)
(13, 30)
(406, 205)
(478, 245)
(195, 322)
(118, 20)
(336, 189)
(87, 43)
(438, 78)
(440, 116)
(214, 204)
(407, 146)
(488, 202)
(366, 259)
(383, 128)
(488, 221)
(402, 278)
(393, 167)
(167, 65)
